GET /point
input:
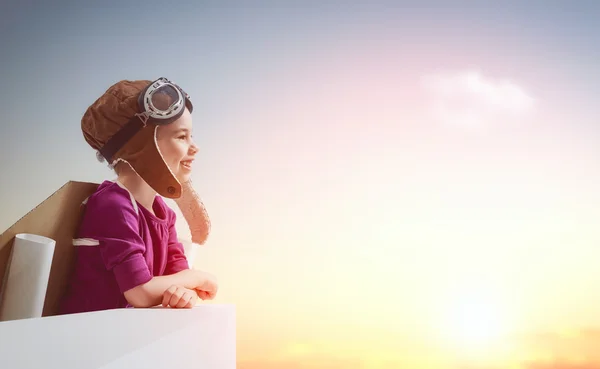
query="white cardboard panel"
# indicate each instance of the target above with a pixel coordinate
(202, 337)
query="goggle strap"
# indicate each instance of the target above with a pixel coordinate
(120, 138)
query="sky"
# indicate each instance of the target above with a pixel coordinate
(390, 184)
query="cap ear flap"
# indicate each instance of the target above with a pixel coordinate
(195, 213)
(142, 153)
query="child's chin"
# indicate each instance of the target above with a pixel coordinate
(184, 177)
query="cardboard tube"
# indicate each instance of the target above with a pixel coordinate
(26, 281)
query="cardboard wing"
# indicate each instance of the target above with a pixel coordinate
(58, 218)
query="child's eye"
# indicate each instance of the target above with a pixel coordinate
(182, 137)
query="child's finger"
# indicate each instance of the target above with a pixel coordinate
(184, 300)
(167, 295)
(174, 300)
(204, 295)
(201, 294)
(193, 301)
(166, 298)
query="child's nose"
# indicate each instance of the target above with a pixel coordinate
(194, 148)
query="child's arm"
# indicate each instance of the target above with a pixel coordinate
(151, 293)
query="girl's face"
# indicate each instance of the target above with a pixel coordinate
(177, 147)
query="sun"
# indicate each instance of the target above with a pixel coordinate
(475, 320)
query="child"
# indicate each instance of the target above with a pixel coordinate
(127, 251)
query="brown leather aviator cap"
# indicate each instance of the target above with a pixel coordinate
(113, 111)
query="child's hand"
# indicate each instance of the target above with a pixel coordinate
(207, 290)
(179, 297)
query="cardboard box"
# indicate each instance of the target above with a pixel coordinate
(58, 217)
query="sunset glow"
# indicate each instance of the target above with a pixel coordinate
(389, 186)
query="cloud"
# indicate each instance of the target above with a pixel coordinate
(470, 99)
(575, 349)
(563, 365)
(304, 363)
(329, 354)
(576, 342)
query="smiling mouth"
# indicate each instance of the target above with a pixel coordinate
(187, 164)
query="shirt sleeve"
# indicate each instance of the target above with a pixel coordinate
(176, 260)
(116, 227)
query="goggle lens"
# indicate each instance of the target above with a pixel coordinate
(164, 98)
